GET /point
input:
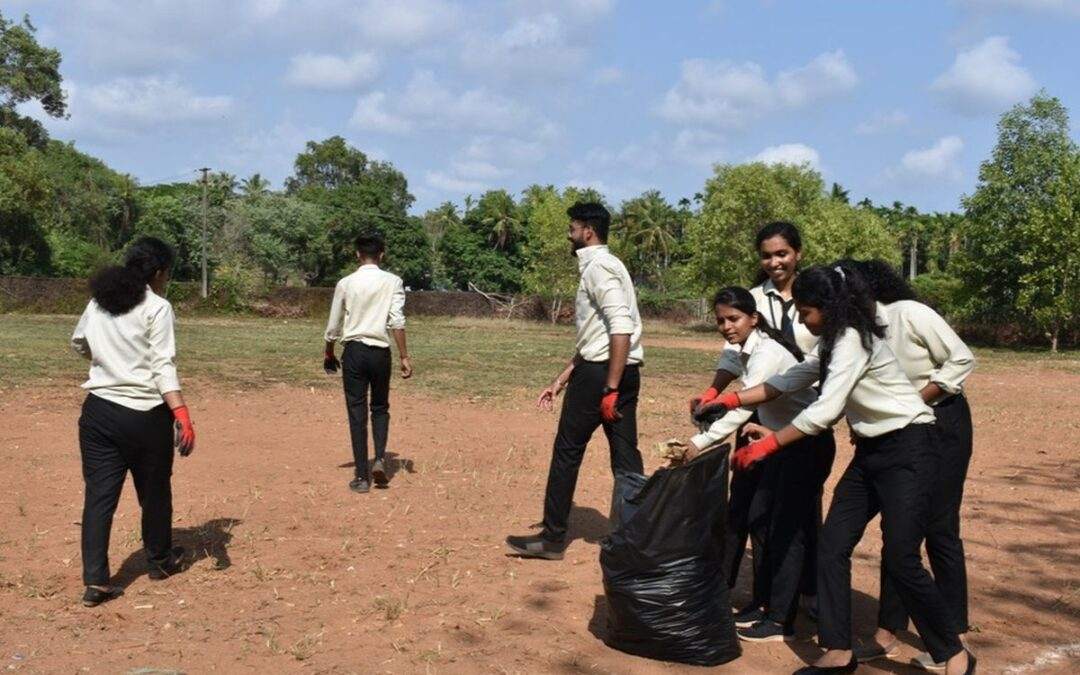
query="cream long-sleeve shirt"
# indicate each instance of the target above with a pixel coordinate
(366, 304)
(928, 349)
(770, 304)
(132, 356)
(761, 357)
(867, 386)
(606, 305)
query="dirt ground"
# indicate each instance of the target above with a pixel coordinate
(290, 572)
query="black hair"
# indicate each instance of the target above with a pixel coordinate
(741, 299)
(777, 228)
(594, 216)
(120, 288)
(885, 282)
(370, 246)
(845, 301)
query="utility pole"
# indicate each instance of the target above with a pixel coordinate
(205, 185)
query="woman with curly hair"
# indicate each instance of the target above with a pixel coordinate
(896, 456)
(127, 421)
(937, 362)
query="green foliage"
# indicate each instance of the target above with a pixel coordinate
(286, 238)
(24, 193)
(28, 72)
(468, 258)
(1023, 222)
(739, 200)
(551, 271)
(941, 291)
(647, 235)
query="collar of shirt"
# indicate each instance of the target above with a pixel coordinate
(882, 315)
(586, 255)
(769, 288)
(752, 341)
(368, 266)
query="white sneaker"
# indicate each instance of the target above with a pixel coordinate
(926, 662)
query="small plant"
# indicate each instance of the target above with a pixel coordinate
(391, 608)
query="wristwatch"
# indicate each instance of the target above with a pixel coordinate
(607, 390)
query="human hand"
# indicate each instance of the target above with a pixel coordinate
(608, 407)
(330, 363)
(184, 431)
(548, 396)
(406, 368)
(748, 455)
(755, 431)
(703, 398)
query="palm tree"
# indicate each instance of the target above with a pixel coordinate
(651, 224)
(502, 224)
(838, 193)
(255, 186)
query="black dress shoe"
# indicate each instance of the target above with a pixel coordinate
(167, 569)
(359, 485)
(820, 670)
(535, 546)
(95, 596)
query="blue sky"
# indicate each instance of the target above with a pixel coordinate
(894, 100)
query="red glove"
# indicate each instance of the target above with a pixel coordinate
(330, 363)
(704, 398)
(187, 430)
(746, 456)
(608, 413)
(728, 401)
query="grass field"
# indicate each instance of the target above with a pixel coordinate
(288, 571)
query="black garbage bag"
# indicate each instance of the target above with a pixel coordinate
(667, 598)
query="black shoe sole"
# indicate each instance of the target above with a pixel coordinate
(93, 597)
(360, 490)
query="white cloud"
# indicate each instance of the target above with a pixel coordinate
(698, 147)
(406, 23)
(795, 154)
(370, 114)
(827, 75)
(271, 152)
(447, 183)
(536, 45)
(517, 151)
(476, 169)
(726, 94)
(147, 102)
(426, 103)
(933, 164)
(882, 122)
(327, 71)
(985, 79)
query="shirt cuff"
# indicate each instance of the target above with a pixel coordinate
(621, 326)
(167, 380)
(807, 425)
(705, 440)
(946, 386)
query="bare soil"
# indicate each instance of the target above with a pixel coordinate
(289, 571)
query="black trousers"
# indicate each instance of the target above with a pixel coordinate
(578, 420)
(784, 532)
(944, 548)
(113, 440)
(892, 474)
(365, 368)
(744, 505)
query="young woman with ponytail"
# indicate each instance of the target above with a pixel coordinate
(127, 421)
(896, 457)
(778, 246)
(782, 519)
(937, 362)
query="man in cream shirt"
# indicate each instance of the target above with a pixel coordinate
(601, 381)
(367, 304)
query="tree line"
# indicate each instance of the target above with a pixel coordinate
(1008, 256)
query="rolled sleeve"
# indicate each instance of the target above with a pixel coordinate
(722, 428)
(729, 361)
(798, 377)
(611, 300)
(337, 309)
(946, 348)
(78, 338)
(848, 364)
(163, 351)
(396, 318)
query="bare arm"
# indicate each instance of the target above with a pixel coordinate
(403, 352)
(762, 393)
(548, 395)
(619, 351)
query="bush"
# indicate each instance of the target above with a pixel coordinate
(942, 292)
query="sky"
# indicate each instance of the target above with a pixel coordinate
(893, 100)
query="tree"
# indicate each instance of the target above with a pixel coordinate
(496, 217)
(436, 223)
(1022, 228)
(832, 230)
(28, 72)
(254, 186)
(285, 236)
(649, 230)
(24, 192)
(838, 193)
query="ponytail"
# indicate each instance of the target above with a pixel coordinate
(120, 288)
(845, 301)
(742, 300)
